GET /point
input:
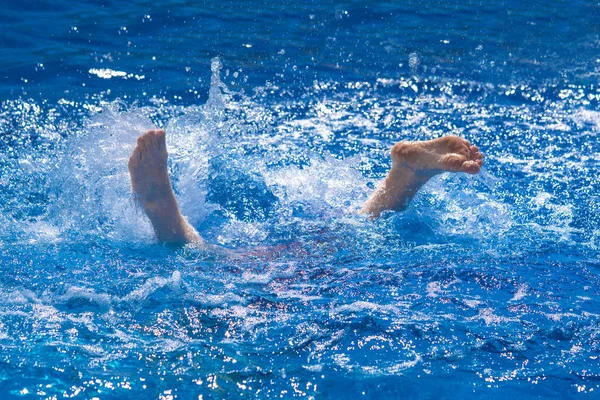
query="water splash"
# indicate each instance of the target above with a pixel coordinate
(467, 279)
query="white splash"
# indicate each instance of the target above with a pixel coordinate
(107, 73)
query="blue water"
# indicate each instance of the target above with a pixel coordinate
(279, 117)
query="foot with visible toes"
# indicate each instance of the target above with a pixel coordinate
(148, 170)
(152, 187)
(431, 157)
(414, 163)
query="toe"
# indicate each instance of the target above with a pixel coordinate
(148, 139)
(141, 143)
(471, 167)
(134, 158)
(474, 149)
(160, 135)
(476, 156)
(453, 162)
(154, 140)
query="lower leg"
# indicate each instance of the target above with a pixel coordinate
(152, 187)
(414, 163)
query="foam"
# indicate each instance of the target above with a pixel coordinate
(266, 144)
(154, 284)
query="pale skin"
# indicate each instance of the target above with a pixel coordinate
(413, 164)
(151, 186)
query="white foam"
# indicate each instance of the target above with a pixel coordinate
(326, 185)
(521, 293)
(87, 294)
(107, 73)
(152, 285)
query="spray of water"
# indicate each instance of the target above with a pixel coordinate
(247, 173)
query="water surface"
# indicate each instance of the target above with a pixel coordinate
(279, 119)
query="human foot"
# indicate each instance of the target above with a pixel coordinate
(152, 187)
(431, 157)
(414, 163)
(148, 170)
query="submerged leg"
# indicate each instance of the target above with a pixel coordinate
(414, 163)
(151, 184)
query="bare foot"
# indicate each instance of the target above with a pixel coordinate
(431, 157)
(152, 187)
(148, 170)
(414, 163)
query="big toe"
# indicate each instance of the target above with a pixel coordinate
(471, 167)
(453, 162)
(134, 158)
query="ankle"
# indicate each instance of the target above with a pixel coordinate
(159, 207)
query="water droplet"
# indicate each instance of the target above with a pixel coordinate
(340, 14)
(413, 60)
(215, 65)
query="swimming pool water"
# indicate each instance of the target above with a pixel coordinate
(279, 117)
